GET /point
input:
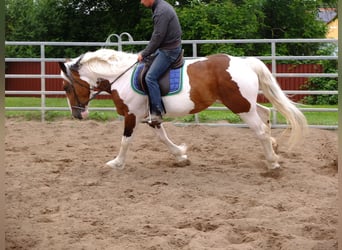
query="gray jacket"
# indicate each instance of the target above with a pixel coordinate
(166, 28)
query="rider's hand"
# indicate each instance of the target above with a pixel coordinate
(140, 58)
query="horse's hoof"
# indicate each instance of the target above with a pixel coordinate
(115, 165)
(183, 163)
(272, 173)
(274, 166)
(182, 158)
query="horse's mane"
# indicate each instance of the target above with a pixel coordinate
(108, 61)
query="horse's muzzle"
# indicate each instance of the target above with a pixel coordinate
(76, 113)
(80, 113)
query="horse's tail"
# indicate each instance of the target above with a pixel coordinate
(280, 101)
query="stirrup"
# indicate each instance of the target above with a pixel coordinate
(153, 120)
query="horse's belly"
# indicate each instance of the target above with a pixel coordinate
(174, 107)
(178, 105)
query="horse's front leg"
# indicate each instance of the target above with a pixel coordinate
(120, 159)
(179, 151)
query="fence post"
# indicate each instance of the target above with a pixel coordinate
(194, 54)
(194, 49)
(274, 71)
(42, 80)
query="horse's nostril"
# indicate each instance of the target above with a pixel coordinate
(77, 114)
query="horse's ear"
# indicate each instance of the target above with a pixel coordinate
(62, 66)
(77, 64)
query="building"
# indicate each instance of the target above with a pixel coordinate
(329, 16)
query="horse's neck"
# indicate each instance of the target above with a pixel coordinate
(108, 70)
(122, 82)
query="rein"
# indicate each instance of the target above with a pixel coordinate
(110, 84)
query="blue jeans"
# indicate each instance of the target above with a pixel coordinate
(162, 61)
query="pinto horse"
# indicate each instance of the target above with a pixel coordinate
(233, 81)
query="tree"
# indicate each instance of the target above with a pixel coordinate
(20, 25)
(222, 20)
(293, 19)
(94, 20)
(329, 3)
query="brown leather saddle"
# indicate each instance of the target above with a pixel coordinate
(164, 83)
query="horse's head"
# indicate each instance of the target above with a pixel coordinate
(77, 90)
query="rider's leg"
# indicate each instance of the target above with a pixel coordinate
(159, 66)
(157, 69)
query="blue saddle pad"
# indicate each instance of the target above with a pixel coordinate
(174, 80)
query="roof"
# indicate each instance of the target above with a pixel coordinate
(327, 14)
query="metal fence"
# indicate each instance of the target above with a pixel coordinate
(194, 44)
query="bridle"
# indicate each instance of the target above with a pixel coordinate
(71, 88)
(72, 80)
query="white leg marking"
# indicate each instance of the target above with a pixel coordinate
(177, 150)
(263, 133)
(120, 160)
(265, 115)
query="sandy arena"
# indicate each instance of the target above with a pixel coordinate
(59, 194)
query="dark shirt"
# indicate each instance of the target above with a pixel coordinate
(166, 28)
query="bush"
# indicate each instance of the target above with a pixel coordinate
(318, 83)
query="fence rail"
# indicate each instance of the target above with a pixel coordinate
(119, 45)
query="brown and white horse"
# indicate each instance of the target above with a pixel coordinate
(231, 80)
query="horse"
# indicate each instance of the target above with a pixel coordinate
(233, 81)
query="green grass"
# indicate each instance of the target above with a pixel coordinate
(314, 118)
(317, 118)
(55, 102)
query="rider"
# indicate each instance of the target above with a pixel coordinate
(165, 42)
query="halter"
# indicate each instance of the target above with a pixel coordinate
(81, 105)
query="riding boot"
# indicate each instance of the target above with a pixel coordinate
(155, 117)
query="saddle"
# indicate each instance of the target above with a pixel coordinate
(164, 83)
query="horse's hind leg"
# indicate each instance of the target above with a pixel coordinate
(263, 133)
(265, 115)
(179, 151)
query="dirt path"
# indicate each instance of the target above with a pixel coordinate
(59, 195)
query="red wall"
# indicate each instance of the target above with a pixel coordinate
(33, 84)
(293, 83)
